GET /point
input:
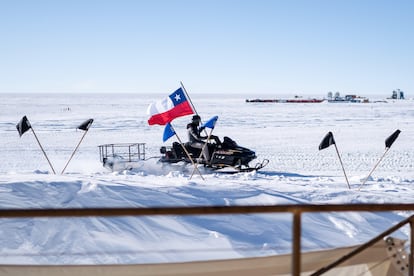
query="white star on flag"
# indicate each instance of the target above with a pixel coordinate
(177, 97)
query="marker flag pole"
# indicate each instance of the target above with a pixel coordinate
(23, 126)
(342, 165)
(50, 164)
(326, 142)
(84, 126)
(388, 143)
(373, 169)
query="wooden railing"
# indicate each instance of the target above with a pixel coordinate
(295, 210)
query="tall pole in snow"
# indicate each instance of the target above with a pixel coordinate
(326, 142)
(73, 153)
(373, 169)
(84, 126)
(388, 143)
(342, 165)
(44, 153)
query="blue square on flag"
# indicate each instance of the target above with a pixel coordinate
(178, 97)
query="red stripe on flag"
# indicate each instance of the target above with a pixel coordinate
(163, 118)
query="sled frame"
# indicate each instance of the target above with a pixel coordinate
(130, 152)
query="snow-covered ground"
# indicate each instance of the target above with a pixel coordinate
(286, 134)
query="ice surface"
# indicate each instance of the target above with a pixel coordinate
(286, 134)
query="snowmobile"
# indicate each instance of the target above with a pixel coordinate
(225, 157)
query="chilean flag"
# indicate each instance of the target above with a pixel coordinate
(166, 110)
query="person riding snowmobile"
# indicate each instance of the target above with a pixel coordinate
(196, 140)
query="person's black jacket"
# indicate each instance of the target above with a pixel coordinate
(194, 135)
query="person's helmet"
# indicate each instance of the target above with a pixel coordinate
(196, 119)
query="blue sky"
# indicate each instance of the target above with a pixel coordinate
(258, 47)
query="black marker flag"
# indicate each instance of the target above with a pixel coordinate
(23, 126)
(327, 141)
(390, 140)
(84, 126)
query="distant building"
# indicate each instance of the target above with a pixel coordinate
(397, 94)
(348, 98)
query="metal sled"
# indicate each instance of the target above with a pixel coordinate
(121, 156)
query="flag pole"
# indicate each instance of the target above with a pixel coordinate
(366, 179)
(73, 153)
(201, 153)
(188, 97)
(37, 139)
(342, 165)
(388, 143)
(188, 154)
(84, 126)
(326, 142)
